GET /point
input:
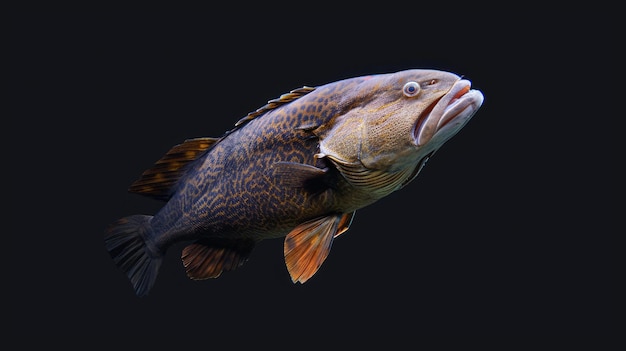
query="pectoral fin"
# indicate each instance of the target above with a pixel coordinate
(206, 258)
(300, 175)
(307, 246)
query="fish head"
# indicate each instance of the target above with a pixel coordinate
(411, 114)
(388, 120)
(394, 122)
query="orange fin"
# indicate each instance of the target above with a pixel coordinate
(159, 181)
(307, 246)
(344, 223)
(208, 258)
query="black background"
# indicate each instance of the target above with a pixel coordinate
(500, 233)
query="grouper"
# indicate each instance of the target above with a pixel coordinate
(297, 168)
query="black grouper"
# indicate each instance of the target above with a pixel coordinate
(298, 167)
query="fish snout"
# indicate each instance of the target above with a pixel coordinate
(446, 116)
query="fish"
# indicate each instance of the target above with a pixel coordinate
(297, 168)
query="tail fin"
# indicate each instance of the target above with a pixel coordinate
(125, 243)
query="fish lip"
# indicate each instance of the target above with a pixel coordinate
(459, 104)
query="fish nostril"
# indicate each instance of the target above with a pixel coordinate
(430, 82)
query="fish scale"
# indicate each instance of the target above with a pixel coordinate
(299, 167)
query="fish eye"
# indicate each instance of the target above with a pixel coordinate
(411, 89)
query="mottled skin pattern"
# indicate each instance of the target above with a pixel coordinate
(297, 168)
(233, 192)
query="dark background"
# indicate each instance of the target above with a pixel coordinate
(501, 233)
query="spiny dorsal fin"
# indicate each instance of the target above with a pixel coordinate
(158, 181)
(272, 104)
(208, 258)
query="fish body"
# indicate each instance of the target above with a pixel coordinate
(298, 167)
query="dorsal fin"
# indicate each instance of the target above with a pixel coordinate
(158, 181)
(272, 104)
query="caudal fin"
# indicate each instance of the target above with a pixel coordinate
(125, 243)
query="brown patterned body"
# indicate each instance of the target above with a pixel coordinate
(298, 168)
(234, 191)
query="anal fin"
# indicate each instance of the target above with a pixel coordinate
(208, 258)
(307, 246)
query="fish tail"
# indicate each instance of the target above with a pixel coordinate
(125, 241)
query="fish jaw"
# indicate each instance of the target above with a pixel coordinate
(448, 115)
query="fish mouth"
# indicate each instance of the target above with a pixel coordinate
(448, 114)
